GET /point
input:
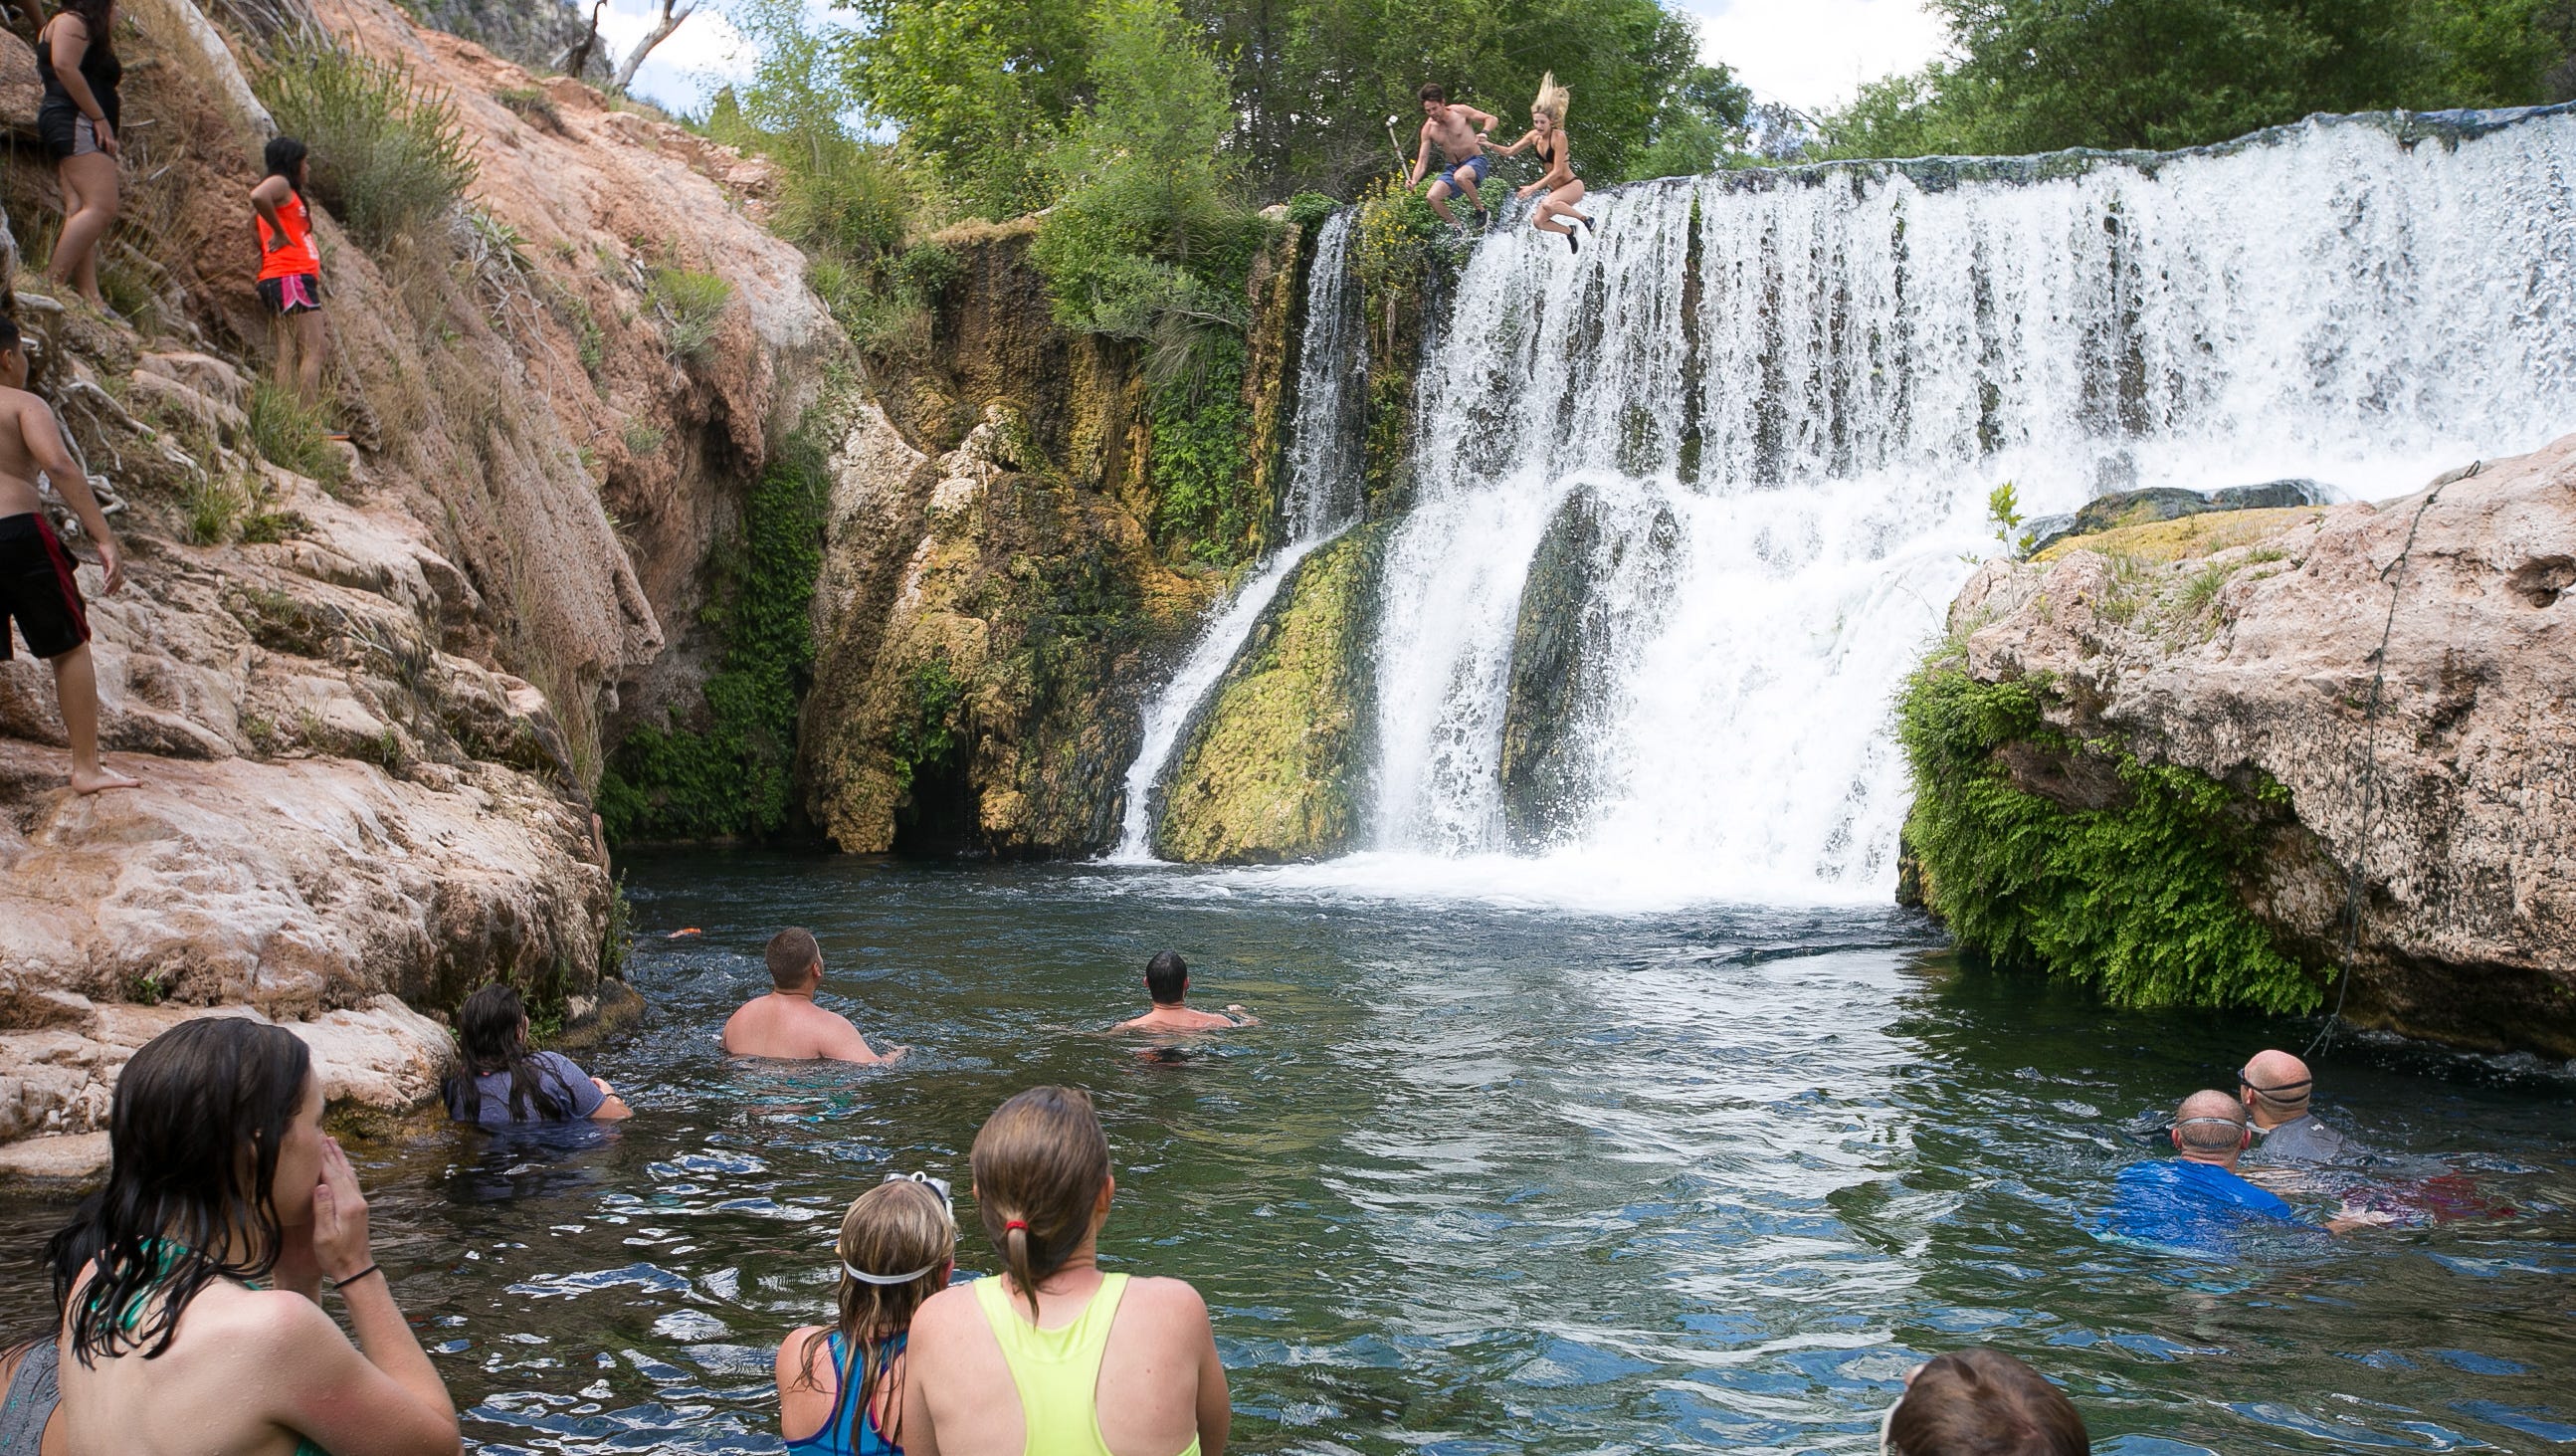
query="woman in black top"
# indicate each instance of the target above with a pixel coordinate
(76, 59)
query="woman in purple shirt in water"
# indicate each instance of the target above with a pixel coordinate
(503, 1082)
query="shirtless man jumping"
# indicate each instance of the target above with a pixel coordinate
(786, 1023)
(1447, 123)
(37, 589)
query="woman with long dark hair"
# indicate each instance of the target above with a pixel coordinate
(197, 1322)
(290, 269)
(76, 61)
(503, 1082)
(1052, 1357)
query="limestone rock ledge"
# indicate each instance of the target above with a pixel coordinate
(57, 1079)
(2247, 644)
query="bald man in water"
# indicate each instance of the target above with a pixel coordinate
(2195, 1203)
(2274, 1088)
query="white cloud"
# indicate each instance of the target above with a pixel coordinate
(1813, 54)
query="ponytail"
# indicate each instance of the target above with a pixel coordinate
(1040, 1164)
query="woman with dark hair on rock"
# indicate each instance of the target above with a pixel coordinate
(1979, 1403)
(503, 1082)
(197, 1322)
(1053, 1357)
(290, 270)
(76, 61)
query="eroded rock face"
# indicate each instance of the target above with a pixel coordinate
(2254, 648)
(1600, 572)
(58, 1079)
(1269, 769)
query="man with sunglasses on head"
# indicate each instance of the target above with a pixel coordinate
(2274, 1088)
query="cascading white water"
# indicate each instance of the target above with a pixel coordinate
(1321, 496)
(1868, 355)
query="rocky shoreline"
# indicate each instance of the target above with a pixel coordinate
(2244, 650)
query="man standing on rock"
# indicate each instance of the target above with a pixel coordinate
(37, 588)
(2274, 1088)
(786, 1023)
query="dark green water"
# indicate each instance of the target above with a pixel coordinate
(1491, 1179)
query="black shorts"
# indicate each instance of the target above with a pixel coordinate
(293, 294)
(37, 589)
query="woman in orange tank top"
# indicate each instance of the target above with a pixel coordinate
(290, 271)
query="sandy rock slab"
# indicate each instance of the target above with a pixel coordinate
(2249, 646)
(57, 1081)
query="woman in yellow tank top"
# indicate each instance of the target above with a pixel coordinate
(1053, 1357)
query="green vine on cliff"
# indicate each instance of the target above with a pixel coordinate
(927, 731)
(2139, 898)
(1392, 260)
(729, 775)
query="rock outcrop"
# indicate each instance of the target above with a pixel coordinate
(2245, 648)
(995, 602)
(1600, 575)
(1269, 769)
(368, 694)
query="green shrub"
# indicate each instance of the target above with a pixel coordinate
(1308, 210)
(2139, 898)
(295, 436)
(214, 504)
(388, 155)
(642, 437)
(732, 777)
(927, 732)
(690, 304)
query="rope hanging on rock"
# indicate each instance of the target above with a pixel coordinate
(2395, 576)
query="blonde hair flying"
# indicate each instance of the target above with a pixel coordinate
(1552, 98)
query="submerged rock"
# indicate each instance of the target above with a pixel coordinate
(1597, 580)
(1269, 770)
(2166, 503)
(2248, 658)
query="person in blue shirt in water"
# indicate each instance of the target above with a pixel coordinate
(2195, 1203)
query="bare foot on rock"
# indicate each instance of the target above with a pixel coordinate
(101, 781)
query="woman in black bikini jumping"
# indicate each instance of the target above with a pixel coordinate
(1547, 139)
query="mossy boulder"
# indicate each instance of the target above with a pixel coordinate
(1595, 578)
(1270, 768)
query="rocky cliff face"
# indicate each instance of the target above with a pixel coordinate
(994, 604)
(2242, 649)
(368, 701)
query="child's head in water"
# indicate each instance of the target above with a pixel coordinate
(1041, 1182)
(898, 1244)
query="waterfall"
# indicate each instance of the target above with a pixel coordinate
(1753, 424)
(1321, 497)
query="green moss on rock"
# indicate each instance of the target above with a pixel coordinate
(1269, 770)
(2036, 849)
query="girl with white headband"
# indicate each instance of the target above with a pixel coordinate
(841, 1385)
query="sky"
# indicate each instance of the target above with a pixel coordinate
(1811, 54)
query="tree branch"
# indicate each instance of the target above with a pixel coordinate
(673, 15)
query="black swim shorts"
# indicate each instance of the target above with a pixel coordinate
(37, 589)
(293, 294)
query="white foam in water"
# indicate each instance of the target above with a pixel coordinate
(1321, 497)
(1875, 358)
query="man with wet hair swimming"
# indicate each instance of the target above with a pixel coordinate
(786, 1024)
(1167, 983)
(2274, 1088)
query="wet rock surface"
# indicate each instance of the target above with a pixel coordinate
(2166, 503)
(1270, 769)
(2256, 651)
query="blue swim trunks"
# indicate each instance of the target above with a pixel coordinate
(1475, 167)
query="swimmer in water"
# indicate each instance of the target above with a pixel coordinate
(1167, 982)
(786, 1024)
(2197, 1203)
(2274, 1088)
(1547, 138)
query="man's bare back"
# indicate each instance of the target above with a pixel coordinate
(1182, 1018)
(789, 1026)
(786, 1024)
